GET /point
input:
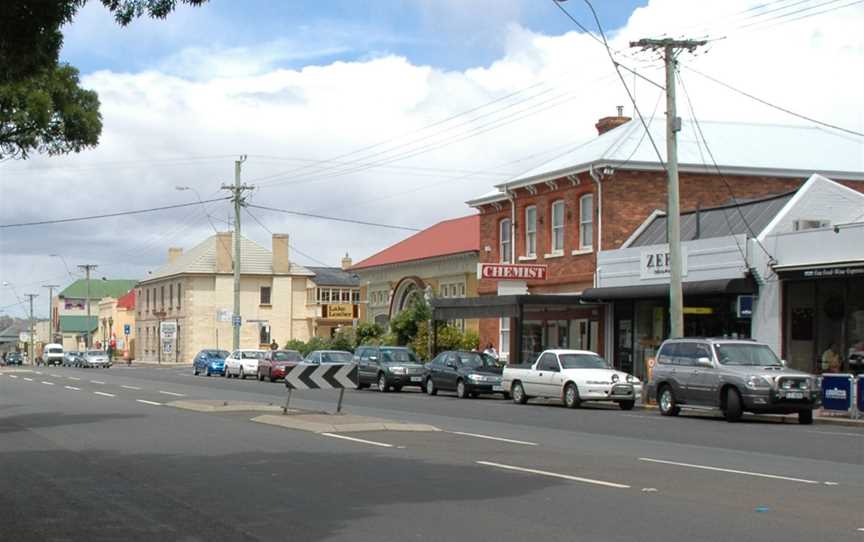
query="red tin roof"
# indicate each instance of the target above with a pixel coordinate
(127, 301)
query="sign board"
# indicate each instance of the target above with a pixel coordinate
(342, 311)
(744, 306)
(223, 315)
(654, 263)
(510, 271)
(836, 392)
(127, 329)
(323, 376)
(167, 330)
(24, 337)
(236, 320)
(823, 272)
(167, 347)
(698, 310)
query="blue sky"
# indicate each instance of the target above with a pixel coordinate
(447, 34)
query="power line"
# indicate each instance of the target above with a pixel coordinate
(108, 215)
(334, 219)
(291, 246)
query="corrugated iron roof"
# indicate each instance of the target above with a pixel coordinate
(334, 276)
(78, 324)
(455, 236)
(98, 288)
(127, 301)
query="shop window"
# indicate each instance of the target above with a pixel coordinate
(170, 295)
(586, 222)
(504, 339)
(506, 241)
(265, 295)
(346, 296)
(530, 231)
(557, 227)
(355, 296)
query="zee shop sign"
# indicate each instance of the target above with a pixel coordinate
(656, 263)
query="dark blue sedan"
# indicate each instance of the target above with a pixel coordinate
(209, 362)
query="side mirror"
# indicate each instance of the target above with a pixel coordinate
(704, 362)
(451, 364)
(783, 362)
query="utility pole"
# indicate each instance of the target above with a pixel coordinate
(87, 268)
(670, 49)
(32, 350)
(237, 190)
(51, 310)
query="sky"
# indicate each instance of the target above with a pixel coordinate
(387, 111)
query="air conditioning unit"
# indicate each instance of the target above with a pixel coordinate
(802, 224)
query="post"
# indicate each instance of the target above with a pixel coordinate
(32, 348)
(673, 212)
(287, 402)
(339, 403)
(237, 190)
(51, 287)
(87, 268)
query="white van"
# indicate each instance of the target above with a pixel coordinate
(53, 354)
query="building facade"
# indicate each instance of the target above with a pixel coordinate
(116, 317)
(334, 296)
(69, 314)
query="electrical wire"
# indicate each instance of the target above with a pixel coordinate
(291, 246)
(334, 219)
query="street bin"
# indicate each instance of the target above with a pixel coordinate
(837, 392)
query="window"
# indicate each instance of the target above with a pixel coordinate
(548, 362)
(461, 290)
(557, 227)
(504, 339)
(505, 240)
(265, 297)
(346, 296)
(586, 221)
(148, 300)
(170, 295)
(325, 295)
(355, 296)
(179, 297)
(162, 298)
(531, 231)
(264, 332)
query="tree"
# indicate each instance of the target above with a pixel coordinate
(405, 324)
(42, 107)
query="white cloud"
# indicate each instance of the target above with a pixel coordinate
(183, 124)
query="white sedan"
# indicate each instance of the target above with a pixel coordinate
(572, 376)
(243, 363)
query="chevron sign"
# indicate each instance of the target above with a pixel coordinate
(321, 377)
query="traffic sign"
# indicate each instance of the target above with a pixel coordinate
(167, 347)
(236, 320)
(127, 329)
(321, 377)
(168, 330)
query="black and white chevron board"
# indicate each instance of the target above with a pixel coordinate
(321, 377)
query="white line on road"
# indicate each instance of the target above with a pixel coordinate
(47, 383)
(172, 393)
(96, 382)
(73, 378)
(554, 475)
(104, 394)
(131, 387)
(12, 376)
(731, 471)
(154, 403)
(489, 437)
(360, 440)
(56, 376)
(859, 435)
(28, 379)
(38, 372)
(72, 388)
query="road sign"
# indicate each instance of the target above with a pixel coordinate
(223, 315)
(168, 330)
(321, 377)
(236, 320)
(837, 392)
(127, 329)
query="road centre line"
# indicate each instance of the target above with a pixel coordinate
(731, 471)
(38, 372)
(104, 394)
(360, 440)
(28, 379)
(47, 383)
(154, 403)
(56, 376)
(172, 393)
(12, 376)
(131, 387)
(96, 382)
(73, 378)
(72, 388)
(489, 437)
(554, 475)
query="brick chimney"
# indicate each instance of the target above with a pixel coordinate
(346, 262)
(174, 253)
(607, 123)
(281, 263)
(224, 252)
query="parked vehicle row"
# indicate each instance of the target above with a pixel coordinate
(269, 365)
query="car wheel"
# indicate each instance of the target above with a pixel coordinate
(733, 406)
(626, 405)
(242, 373)
(505, 395)
(668, 405)
(461, 389)
(805, 417)
(518, 393)
(430, 387)
(571, 396)
(382, 383)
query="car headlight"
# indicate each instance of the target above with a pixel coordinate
(615, 378)
(629, 379)
(397, 370)
(476, 378)
(816, 383)
(758, 383)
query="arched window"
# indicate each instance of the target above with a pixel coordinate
(586, 222)
(505, 243)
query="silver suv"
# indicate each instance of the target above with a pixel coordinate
(733, 376)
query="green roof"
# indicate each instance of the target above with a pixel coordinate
(78, 324)
(98, 288)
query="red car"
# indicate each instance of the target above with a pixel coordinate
(276, 363)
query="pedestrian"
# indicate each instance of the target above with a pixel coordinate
(274, 346)
(490, 351)
(830, 360)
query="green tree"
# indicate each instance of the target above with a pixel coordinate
(367, 333)
(406, 323)
(344, 339)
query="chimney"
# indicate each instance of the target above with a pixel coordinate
(346, 262)
(174, 253)
(224, 252)
(281, 263)
(607, 123)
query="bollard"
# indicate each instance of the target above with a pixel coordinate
(287, 402)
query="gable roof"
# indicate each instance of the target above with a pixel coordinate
(201, 259)
(127, 301)
(741, 148)
(455, 236)
(98, 288)
(78, 324)
(334, 276)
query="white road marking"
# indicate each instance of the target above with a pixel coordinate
(131, 387)
(731, 471)
(831, 484)
(554, 475)
(172, 393)
(38, 372)
(73, 378)
(47, 383)
(12, 376)
(72, 388)
(859, 435)
(104, 394)
(489, 437)
(96, 382)
(154, 403)
(360, 440)
(56, 376)
(28, 379)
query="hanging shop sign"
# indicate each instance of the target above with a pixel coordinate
(343, 311)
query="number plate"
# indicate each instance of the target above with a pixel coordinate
(416, 379)
(498, 387)
(794, 395)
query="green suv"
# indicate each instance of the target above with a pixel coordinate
(389, 367)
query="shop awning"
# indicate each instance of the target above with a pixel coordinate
(821, 270)
(495, 306)
(648, 291)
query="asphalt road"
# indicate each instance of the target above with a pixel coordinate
(99, 455)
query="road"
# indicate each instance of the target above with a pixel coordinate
(100, 455)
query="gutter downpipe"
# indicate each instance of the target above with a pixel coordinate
(597, 180)
(512, 197)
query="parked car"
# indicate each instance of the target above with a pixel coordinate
(72, 358)
(243, 363)
(466, 373)
(95, 358)
(276, 363)
(573, 376)
(734, 376)
(337, 357)
(209, 362)
(53, 354)
(388, 367)
(14, 358)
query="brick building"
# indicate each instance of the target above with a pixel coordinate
(564, 212)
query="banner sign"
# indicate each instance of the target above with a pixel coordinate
(509, 271)
(343, 311)
(836, 392)
(823, 272)
(168, 330)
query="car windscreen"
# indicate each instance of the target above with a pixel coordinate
(746, 354)
(287, 355)
(398, 356)
(252, 355)
(55, 350)
(221, 354)
(582, 361)
(336, 357)
(95, 353)
(473, 360)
